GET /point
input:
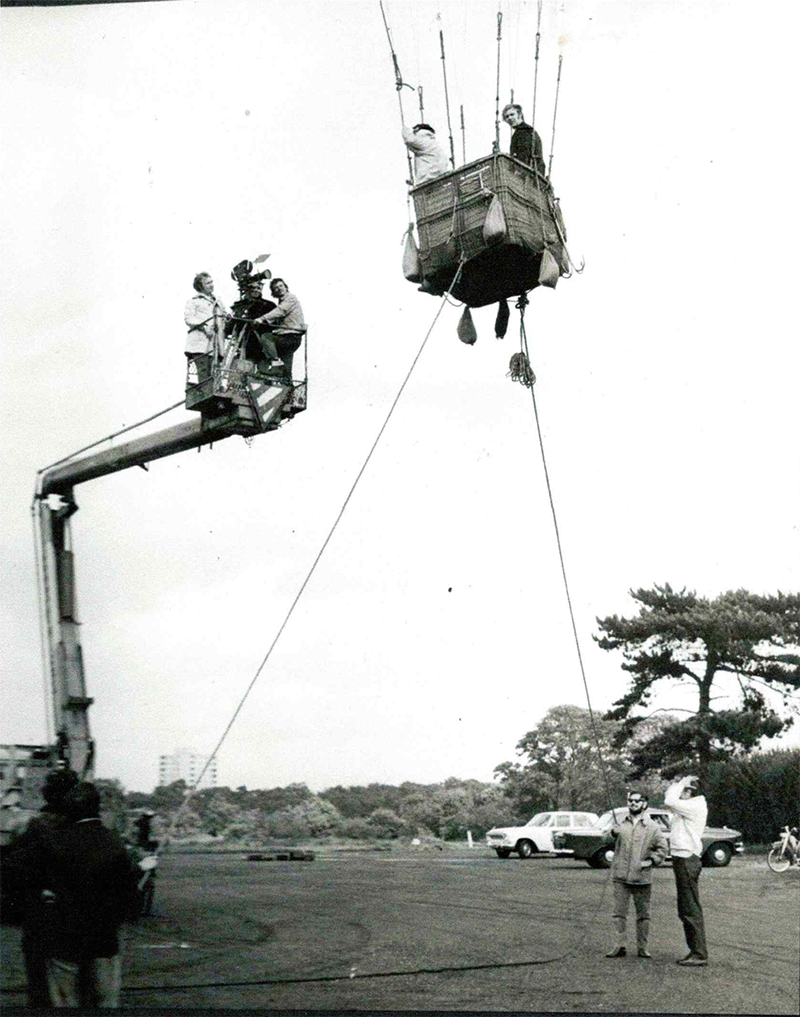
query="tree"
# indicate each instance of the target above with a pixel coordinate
(361, 802)
(563, 768)
(757, 794)
(386, 824)
(168, 797)
(741, 644)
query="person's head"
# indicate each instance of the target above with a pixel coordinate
(422, 127)
(637, 802)
(512, 114)
(253, 287)
(57, 786)
(82, 802)
(203, 283)
(278, 288)
(690, 788)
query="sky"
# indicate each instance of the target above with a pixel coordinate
(142, 143)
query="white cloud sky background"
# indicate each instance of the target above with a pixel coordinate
(144, 142)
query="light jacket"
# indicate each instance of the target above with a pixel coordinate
(688, 822)
(429, 159)
(636, 843)
(286, 317)
(205, 318)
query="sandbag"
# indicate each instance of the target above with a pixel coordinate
(494, 225)
(549, 272)
(501, 321)
(466, 328)
(412, 269)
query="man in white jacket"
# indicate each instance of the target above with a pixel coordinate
(429, 159)
(205, 317)
(690, 813)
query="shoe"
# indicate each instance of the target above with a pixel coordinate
(618, 951)
(693, 961)
(643, 952)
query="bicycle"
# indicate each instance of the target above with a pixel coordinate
(784, 852)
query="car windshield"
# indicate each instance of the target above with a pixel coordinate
(609, 819)
(541, 820)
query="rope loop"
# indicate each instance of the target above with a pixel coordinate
(519, 369)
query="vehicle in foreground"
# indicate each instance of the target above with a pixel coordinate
(595, 844)
(785, 852)
(537, 834)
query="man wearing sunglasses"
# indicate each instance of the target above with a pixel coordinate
(639, 845)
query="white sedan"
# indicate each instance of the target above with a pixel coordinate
(537, 834)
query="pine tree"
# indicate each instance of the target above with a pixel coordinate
(740, 643)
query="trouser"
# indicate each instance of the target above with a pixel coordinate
(87, 984)
(267, 342)
(641, 901)
(35, 972)
(288, 343)
(687, 877)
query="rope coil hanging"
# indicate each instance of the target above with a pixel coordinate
(519, 367)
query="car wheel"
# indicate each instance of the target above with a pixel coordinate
(525, 849)
(603, 858)
(718, 855)
(503, 852)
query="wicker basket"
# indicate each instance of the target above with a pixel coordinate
(451, 211)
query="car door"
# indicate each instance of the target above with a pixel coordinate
(544, 833)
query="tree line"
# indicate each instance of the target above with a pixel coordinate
(756, 794)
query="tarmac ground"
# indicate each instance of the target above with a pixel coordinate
(456, 930)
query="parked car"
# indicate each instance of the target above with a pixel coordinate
(596, 845)
(537, 834)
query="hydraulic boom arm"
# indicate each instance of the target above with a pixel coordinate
(57, 572)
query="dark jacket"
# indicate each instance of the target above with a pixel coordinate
(79, 888)
(526, 145)
(20, 903)
(634, 844)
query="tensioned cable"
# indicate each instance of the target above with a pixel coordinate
(604, 769)
(399, 85)
(497, 84)
(555, 113)
(446, 94)
(321, 551)
(110, 437)
(536, 67)
(450, 968)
